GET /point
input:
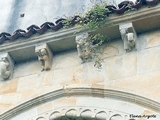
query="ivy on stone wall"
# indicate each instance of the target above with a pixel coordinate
(93, 19)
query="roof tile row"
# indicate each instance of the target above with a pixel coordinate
(122, 7)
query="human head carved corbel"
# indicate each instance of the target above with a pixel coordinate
(84, 47)
(6, 66)
(44, 56)
(128, 36)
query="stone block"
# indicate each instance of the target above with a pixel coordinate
(4, 107)
(63, 102)
(153, 38)
(146, 84)
(27, 68)
(148, 40)
(47, 80)
(64, 60)
(113, 48)
(62, 76)
(30, 82)
(121, 66)
(9, 86)
(148, 60)
(87, 73)
(96, 102)
(44, 108)
(11, 98)
(27, 94)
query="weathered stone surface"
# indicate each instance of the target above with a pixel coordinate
(30, 82)
(84, 73)
(67, 101)
(28, 68)
(153, 38)
(61, 76)
(113, 49)
(4, 107)
(10, 99)
(9, 86)
(88, 101)
(47, 79)
(146, 84)
(121, 66)
(45, 107)
(148, 40)
(26, 115)
(26, 95)
(65, 60)
(137, 72)
(148, 60)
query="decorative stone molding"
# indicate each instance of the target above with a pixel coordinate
(82, 113)
(44, 56)
(6, 66)
(84, 47)
(81, 91)
(128, 36)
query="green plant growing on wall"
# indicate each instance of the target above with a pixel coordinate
(67, 23)
(93, 19)
(97, 41)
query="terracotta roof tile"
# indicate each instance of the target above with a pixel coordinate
(33, 29)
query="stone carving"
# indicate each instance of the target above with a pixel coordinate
(82, 113)
(6, 66)
(44, 56)
(128, 36)
(84, 47)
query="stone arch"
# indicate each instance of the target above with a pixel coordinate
(116, 117)
(80, 111)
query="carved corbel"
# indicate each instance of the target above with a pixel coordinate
(44, 56)
(6, 66)
(84, 47)
(128, 36)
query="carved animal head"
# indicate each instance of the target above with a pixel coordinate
(123, 31)
(43, 52)
(82, 39)
(4, 59)
(130, 36)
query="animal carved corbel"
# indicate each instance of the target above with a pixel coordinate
(6, 66)
(128, 36)
(44, 56)
(84, 47)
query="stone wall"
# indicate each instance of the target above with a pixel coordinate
(137, 72)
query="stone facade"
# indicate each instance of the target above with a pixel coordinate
(136, 72)
(127, 85)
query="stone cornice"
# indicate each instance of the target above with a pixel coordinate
(139, 18)
(136, 15)
(83, 90)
